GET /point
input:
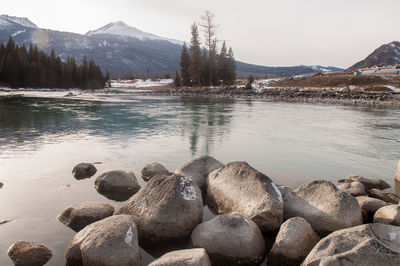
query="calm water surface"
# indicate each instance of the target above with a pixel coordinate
(44, 135)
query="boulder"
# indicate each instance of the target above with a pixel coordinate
(368, 182)
(1, 185)
(393, 196)
(153, 169)
(354, 188)
(168, 208)
(370, 204)
(324, 206)
(80, 215)
(24, 253)
(198, 169)
(388, 215)
(187, 257)
(382, 195)
(111, 241)
(397, 180)
(116, 184)
(230, 239)
(84, 170)
(295, 240)
(367, 245)
(284, 189)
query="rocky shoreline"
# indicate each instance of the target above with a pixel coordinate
(353, 222)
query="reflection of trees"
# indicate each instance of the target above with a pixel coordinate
(206, 119)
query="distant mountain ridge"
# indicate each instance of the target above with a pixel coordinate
(387, 54)
(120, 48)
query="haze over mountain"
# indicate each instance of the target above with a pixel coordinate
(119, 48)
(387, 54)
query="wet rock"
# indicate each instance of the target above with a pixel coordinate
(24, 253)
(284, 189)
(394, 197)
(117, 183)
(354, 188)
(187, 257)
(368, 182)
(367, 245)
(324, 206)
(153, 169)
(80, 215)
(230, 239)
(168, 208)
(379, 194)
(388, 215)
(84, 170)
(198, 169)
(397, 180)
(295, 240)
(370, 204)
(111, 241)
(237, 187)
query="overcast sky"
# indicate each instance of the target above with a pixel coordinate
(266, 32)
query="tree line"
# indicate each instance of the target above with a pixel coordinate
(32, 68)
(205, 66)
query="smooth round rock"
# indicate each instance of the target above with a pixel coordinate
(237, 187)
(295, 240)
(168, 208)
(382, 195)
(187, 257)
(367, 245)
(370, 204)
(230, 239)
(24, 253)
(397, 180)
(368, 182)
(198, 169)
(80, 215)
(84, 170)
(324, 206)
(388, 215)
(153, 169)
(354, 188)
(111, 241)
(115, 184)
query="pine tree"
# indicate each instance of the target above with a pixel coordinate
(231, 68)
(195, 57)
(185, 66)
(177, 80)
(223, 64)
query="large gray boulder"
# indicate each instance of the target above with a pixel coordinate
(117, 185)
(80, 215)
(354, 188)
(153, 169)
(168, 208)
(230, 239)
(84, 170)
(24, 253)
(198, 169)
(368, 182)
(388, 215)
(295, 240)
(397, 180)
(367, 245)
(324, 206)
(111, 241)
(370, 204)
(186, 257)
(237, 187)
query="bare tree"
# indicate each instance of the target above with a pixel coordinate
(208, 27)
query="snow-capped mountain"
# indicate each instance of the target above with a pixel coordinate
(6, 20)
(319, 68)
(121, 29)
(387, 54)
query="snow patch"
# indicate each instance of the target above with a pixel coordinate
(150, 83)
(392, 236)
(277, 192)
(188, 192)
(18, 32)
(129, 237)
(393, 88)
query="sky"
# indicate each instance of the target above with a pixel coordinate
(265, 32)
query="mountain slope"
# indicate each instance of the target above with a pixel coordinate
(387, 54)
(119, 48)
